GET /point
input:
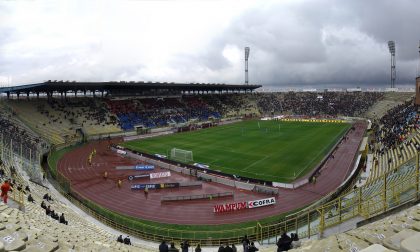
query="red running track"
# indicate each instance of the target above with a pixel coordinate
(88, 181)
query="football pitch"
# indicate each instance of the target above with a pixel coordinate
(269, 150)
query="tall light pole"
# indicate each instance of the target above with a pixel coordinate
(246, 64)
(391, 46)
(418, 68)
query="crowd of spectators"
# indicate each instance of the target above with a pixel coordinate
(392, 129)
(21, 140)
(317, 104)
(167, 111)
(126, 240)
(77, 111)
(50, 212)
(163, 247)
(286, 242)
(159, 112)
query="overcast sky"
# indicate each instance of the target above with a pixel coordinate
(325, 43)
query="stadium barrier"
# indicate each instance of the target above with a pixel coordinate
(111, 135)
(217, 179)
(244, 185)
(266, 189)
(313, 120)
(196, 196)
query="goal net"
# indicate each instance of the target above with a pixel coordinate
(182, 155)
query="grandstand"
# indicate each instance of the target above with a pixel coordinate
(375, 203)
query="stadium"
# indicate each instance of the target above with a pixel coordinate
(218, 161)
(314, 152)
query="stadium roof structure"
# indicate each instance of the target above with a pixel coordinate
(49, 87)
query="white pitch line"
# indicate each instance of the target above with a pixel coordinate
(254, 163)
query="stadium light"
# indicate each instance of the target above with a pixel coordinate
(418, 67)
(391, 47)
(246, 63)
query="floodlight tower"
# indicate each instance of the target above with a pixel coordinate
(417, 101)
(246, 64)
(391, 46)
(418, 68)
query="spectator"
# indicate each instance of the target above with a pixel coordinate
(245, 243)
(48, 210)
(120, 239)
(43, 205)
(172, 248)
(198, 248)
(27, 188)
(227, 248)
(63, 220)
(47, 197)
(163, 247)
(5, 188)
(295, 241)
(54, 215)
(234, 249)
(221, 248)
(283, 244)
(252, 248)
(127, 240)
(30, 199)
(185, 246)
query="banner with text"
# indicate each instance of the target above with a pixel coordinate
(160, 175)
(230, 207)
(154, 186)
(144, 167)
(132, 177)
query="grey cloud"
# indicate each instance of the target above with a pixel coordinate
(333, 43)
(288, 47)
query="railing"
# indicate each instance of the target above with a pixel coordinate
(370, 200)
(196, 196)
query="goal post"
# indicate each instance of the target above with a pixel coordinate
(182, 155)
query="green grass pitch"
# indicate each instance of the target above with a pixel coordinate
(268, 150)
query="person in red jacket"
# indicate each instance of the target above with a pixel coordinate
(5, 188)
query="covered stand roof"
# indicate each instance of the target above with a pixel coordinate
(121, 86)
